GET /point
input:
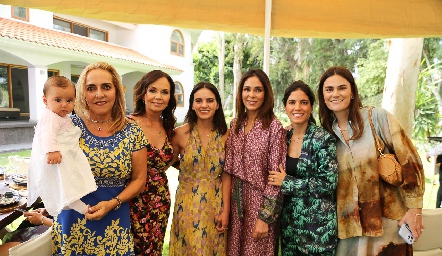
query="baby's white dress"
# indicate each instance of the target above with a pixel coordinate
(58, 185)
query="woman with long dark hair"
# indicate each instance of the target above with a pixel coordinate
(201, 212)
(256, 146)
(154, 100)
(371, 208)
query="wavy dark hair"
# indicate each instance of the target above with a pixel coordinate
(219, 121)
(140, 89)
(300, 85)
(354, 115)
(265, 112)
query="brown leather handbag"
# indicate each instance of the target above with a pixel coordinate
(389, 168)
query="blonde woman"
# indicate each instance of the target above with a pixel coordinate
(116, 150)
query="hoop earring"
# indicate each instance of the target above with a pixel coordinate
(352, 97)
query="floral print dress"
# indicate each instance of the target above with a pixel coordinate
(150, 209)
(198, 199)
(110, 159)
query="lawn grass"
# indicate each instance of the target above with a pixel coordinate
(4, 156)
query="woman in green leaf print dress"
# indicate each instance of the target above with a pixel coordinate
(308, 220)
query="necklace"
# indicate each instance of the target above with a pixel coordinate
(199, 131)
(298, 139)
(347, 141)
(99, 122)
(342, 130)
(151, 123)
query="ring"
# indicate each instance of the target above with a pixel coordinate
(273, 179)
(224, 228)
(422, 230)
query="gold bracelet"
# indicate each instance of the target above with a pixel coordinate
(42, 218)
(119, 203)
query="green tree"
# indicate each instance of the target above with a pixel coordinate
(206, 63)
(427, 114)
(372, 71)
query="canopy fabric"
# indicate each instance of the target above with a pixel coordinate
(290, 18)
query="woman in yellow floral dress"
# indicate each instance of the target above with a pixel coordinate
(200, 217)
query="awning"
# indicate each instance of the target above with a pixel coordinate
(289, 18)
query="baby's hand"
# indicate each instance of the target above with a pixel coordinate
(53, 157)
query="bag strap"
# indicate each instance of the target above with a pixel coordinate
(378, 145)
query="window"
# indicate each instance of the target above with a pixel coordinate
(53, 72)
(79, 29)
(62, 25)
(14, 88)
(74, 78)
(20, 13)
(96, 34)
(177, 43)
(179, 94)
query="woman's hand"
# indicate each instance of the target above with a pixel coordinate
(38, 217)
(413, 217)
(261, 229)
(276, 178)
(33, 217)
(100, 210)
(222, 222)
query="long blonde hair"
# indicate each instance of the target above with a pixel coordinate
(118, 110)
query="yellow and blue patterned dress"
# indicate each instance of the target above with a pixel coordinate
(110, 161)
(198, 199)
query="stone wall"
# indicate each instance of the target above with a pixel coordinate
(16, 132)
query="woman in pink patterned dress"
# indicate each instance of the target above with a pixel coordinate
(154, 107)
(255, 146)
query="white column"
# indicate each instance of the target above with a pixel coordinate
(37, 76)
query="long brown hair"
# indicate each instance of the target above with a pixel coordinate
(219, 121)
(118, 110)
(265, 112)
(354, 115)
(140, 89)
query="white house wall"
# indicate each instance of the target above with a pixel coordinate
(152, 41)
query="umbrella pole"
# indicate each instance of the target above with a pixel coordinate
(267, 27)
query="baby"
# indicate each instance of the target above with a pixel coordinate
(59, 171)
